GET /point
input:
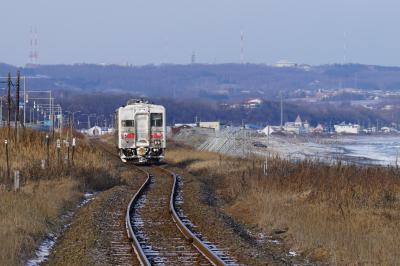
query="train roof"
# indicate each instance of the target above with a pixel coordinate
(134, 105)
(135, 101)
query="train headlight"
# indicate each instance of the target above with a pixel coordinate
(141, 151)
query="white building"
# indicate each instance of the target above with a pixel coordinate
(98, 131)
(285, 63)
(183, 124)
(268, 130)
(344, 128)
(297, 127)
(94, 131)
(252, 103)
(389, 130)
(212, 125)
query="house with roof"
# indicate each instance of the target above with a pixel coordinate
(297, 127)
(319, 129)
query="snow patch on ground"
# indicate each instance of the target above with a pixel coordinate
(43, 251)
(45, 248)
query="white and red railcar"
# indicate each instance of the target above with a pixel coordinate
(141, 131)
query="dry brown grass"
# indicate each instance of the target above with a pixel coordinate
(27, 215)
(340, 214)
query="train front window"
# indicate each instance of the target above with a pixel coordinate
(156, 120)
(128, 123)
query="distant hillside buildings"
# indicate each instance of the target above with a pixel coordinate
(252, 103)
(285, 63)
(298, 127)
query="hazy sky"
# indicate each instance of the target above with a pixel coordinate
(168, 31)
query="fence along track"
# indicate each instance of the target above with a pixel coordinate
(202, 248)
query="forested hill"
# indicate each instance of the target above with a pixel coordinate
(224, 81)
(186, 110)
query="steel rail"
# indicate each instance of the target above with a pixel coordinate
(141, 256)
(194, 240)
(188, 234)
(131, 235)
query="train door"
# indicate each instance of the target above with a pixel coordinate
(142, 130)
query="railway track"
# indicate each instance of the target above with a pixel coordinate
(160, 233)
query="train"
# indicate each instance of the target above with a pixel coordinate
(141, 132)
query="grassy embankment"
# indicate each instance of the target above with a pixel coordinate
(28, 215)
(338, 214)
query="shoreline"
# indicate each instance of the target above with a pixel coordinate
(382, 149)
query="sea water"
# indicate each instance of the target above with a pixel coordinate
(383, 150)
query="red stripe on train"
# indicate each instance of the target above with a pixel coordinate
(128, 135)
(156, 136)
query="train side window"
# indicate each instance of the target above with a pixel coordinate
(128, 123)
(156, 120)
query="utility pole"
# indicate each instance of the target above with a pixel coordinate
(60, 122)
(243, 138)
(1, 111)
(52, 124)
(70, 124)
(51, 100)
(9, 104)
(73, 120)
(112, 121)
(17, 107)
(25, 100)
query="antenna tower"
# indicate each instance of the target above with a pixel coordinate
(35, 47)
(344, 48)
(33, 54)
(242, 47)
(193, 59)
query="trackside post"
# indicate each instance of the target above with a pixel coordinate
(16, 180)
(58, 151)
(67, 144)
(48, 150)
(73, 149)
(8, 161)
